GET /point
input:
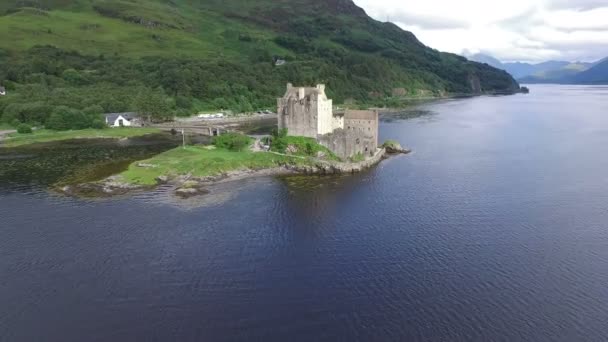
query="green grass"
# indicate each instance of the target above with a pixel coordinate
(201, 162)
(190, 33)
(310, 147)
(43, 135)
(359, 157)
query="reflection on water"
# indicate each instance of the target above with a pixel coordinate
(494, 230)
(406, 114)
(76, 161)
(312, 182)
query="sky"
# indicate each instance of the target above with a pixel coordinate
(510, 30)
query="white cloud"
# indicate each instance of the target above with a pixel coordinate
(515, 30)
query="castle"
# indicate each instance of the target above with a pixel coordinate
(306, 111)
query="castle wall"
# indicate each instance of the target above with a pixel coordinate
(337, 122)
(308, 112)
(325, 113)
(364, 122)
(299, 116)
(345, 144)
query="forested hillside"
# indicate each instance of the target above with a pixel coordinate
(75, 59)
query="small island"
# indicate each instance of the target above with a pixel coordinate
(310, 138)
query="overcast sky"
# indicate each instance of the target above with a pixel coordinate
(510, 30)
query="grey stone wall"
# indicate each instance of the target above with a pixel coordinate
(299, 116)
(365, 123)
(346, 144)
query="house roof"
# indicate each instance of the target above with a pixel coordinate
(111, 117)
(360, 114)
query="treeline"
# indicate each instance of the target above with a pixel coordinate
(67, 90)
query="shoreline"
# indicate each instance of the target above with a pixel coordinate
(186, 186)
(10, 140)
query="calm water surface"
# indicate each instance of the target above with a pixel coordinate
(494, 229)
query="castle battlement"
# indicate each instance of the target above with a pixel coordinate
(306, 111)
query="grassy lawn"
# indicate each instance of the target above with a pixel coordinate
(200, 162)
(44, 135)
(309, 147)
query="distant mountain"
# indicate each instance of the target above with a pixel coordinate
(489, 60)
(556, 74)
(597, 74)
(600, 61)
(550, 71)
(519, 69)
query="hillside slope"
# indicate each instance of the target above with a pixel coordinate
(598, 74)
(215, 54)
(557, 74)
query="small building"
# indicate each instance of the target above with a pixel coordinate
(2, 91)
(306, 111)
(211, 116)
(280, 62)
(123, 120)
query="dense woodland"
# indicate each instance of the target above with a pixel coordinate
(227, 60)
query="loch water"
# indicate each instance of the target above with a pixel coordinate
(494, 229)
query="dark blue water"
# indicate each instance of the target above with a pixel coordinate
(494, 229)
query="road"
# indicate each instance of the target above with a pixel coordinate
(4, 133)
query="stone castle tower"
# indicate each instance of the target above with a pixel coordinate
(307, 112)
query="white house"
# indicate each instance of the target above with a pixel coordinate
(2, 91)
(122, 120)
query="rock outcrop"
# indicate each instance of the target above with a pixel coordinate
(394, 147)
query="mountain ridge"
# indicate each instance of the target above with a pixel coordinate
(218, 54)
(551, 71)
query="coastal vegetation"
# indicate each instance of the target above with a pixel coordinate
(232, 141)
(24, 129)
(43, 135)
(202, 161)
(280, 142)
(302, 146)
(64, 63)
(230, 152)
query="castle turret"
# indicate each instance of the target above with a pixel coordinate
(305, 111)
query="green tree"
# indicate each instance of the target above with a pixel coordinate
(152, 104)
(57, 122)
(24, 129)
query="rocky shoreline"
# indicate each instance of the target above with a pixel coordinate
(186, 186)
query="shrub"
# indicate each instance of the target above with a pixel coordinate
(98, 124)
(65, 118)
(24, 129)
(232, 141)
(309, 149)
(183, 102)
(56, 121)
